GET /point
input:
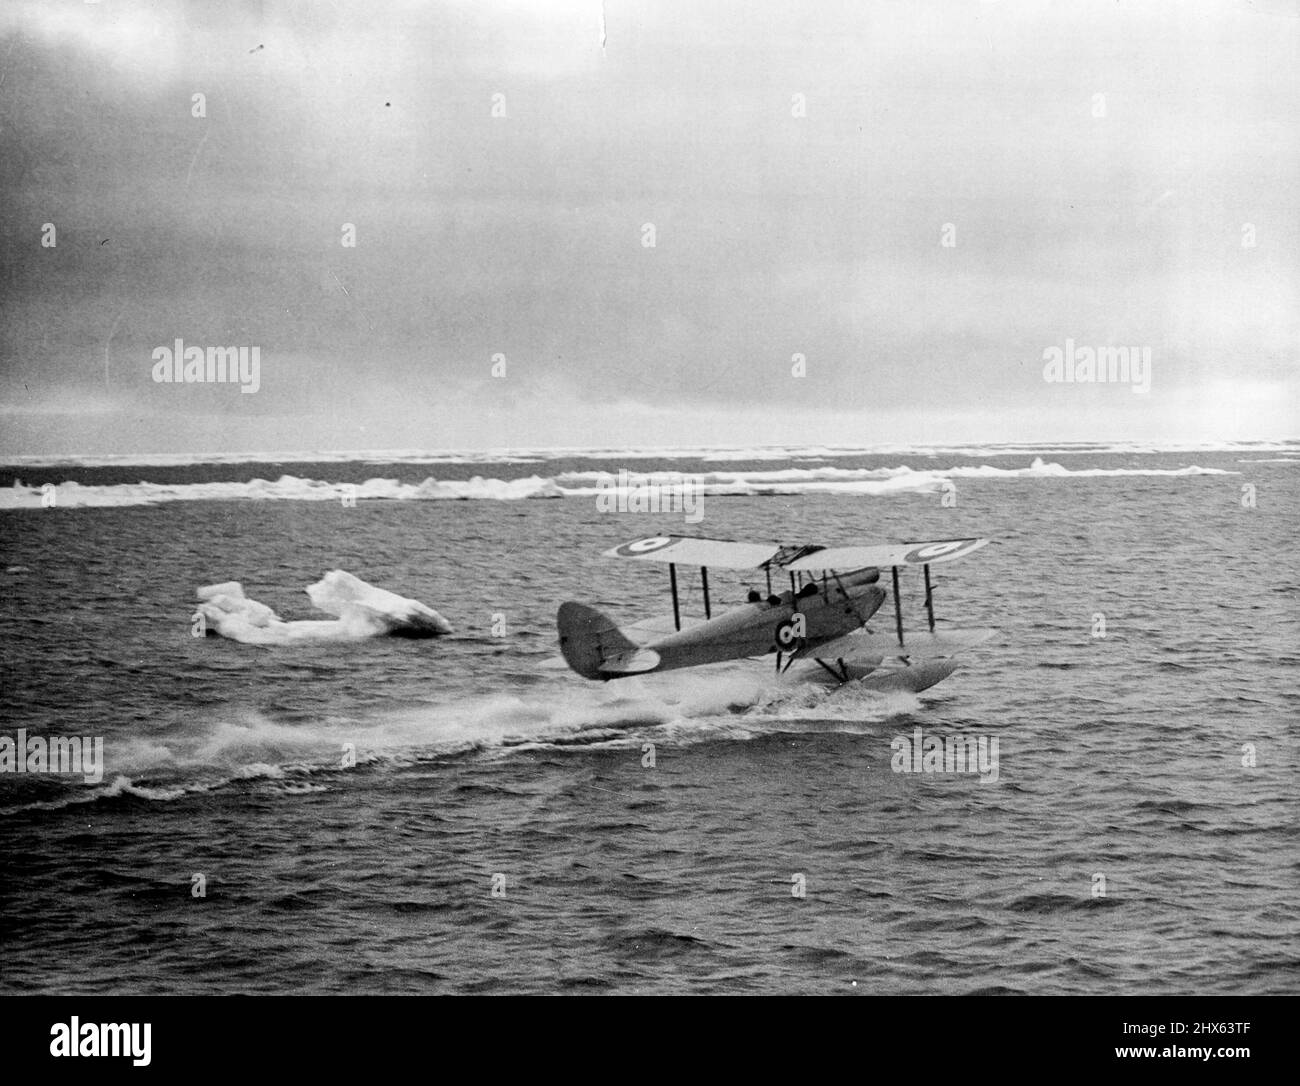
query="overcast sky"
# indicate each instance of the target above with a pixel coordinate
(1104, 167)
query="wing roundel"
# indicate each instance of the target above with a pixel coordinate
(640, 548)
(944, 551)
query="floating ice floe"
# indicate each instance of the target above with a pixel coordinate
(361, 611)
(826, 479)
(73, 495)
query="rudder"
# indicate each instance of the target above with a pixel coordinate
(588, 638)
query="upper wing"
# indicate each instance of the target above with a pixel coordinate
(889, 554)
(694, 551)
(725, 554)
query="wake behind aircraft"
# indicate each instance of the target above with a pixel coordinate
(822, 617)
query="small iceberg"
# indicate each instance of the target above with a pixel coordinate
(361, 611)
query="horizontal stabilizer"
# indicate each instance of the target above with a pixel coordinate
(633, 662)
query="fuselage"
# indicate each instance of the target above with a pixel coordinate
(827, 610)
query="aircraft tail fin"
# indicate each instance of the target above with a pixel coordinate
(595, 647)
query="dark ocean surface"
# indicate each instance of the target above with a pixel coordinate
(1123, 848)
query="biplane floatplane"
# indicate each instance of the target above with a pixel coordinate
(834, 592)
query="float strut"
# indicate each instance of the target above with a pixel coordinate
(898, 606)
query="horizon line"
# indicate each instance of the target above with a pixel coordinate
(507, 452)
